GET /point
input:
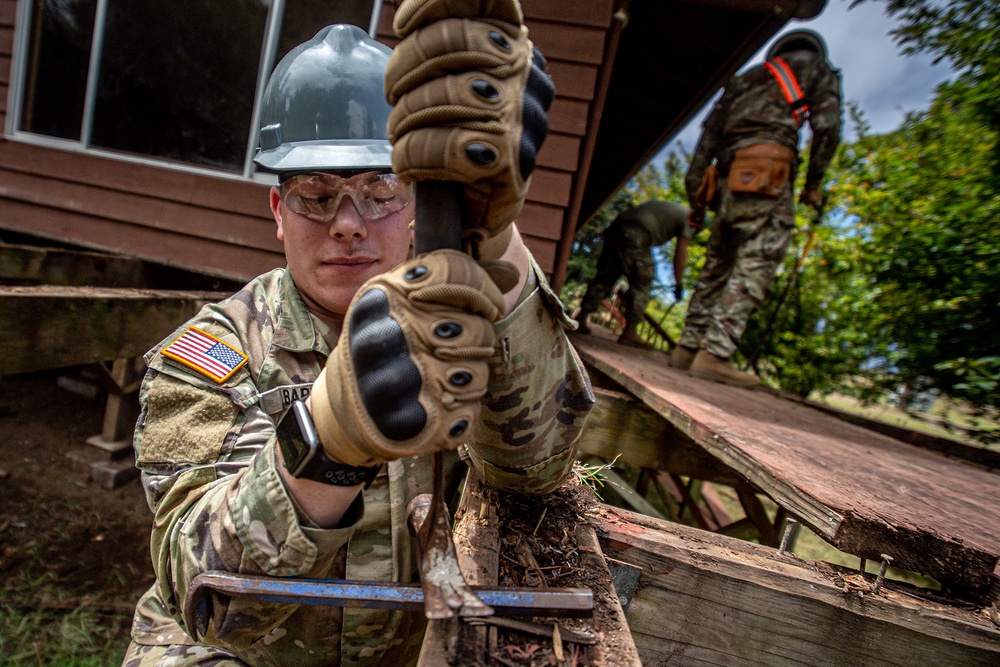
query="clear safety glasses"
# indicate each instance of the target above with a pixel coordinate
(317, 196)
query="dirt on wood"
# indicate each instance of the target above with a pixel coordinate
(542, 544)
(66, 543)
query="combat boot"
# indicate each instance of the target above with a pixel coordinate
(630, 338)
(707, 366)
(682, 357)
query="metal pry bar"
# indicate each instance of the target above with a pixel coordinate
(200, 605)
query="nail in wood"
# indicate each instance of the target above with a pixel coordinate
(886, 559)
(789, 525)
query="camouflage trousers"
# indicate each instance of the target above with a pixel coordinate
(175, 655)
(748, 242)
(626, 252)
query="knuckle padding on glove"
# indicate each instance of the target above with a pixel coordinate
(451, 47)
(410, 370)
(411, 14)
(538, 97)
(388, 381)
(470, 97)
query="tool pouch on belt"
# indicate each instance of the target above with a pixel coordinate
(705, 193)
(761, 169)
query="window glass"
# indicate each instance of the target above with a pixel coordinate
(58, 56)
(302, 19)
(178, 77)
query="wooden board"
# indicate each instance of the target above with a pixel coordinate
(479, 530)
(705, 599)
(35, 265)
(864, 492)
(53, 327)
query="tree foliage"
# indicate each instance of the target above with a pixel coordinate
(900, 286)
(965, 32)
(652, 182)
(928, 201)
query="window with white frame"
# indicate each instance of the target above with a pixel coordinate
(177, 81)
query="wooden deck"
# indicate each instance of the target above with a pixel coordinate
(864, 492)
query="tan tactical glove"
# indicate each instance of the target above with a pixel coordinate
(470, 97)
(410, 368)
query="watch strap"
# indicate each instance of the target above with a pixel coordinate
(321, 468)
(298, 439)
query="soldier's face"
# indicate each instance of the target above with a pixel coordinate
(330, 260)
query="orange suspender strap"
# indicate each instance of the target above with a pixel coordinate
(789, 85)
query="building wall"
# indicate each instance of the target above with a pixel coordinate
(222, 226)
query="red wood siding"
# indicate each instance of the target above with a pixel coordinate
(8, 12)
(223, 226)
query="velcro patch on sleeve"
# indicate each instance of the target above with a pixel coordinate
(202, 352)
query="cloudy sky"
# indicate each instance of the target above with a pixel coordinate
(884, 83)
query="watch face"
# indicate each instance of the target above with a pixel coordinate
(303, 452)
(296, 448)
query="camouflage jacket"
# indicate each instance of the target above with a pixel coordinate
(663, 220)
(753, 110)
(207, 455)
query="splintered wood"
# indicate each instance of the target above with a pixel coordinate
(548, 542)
(533, 542)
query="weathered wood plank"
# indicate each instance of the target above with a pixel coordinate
(140, 210)
(21, 265)
(594, 13)
(560, 151)
(158, 245)
(540, 221)
(8, 13)
(987, 458)
(477, 544)
(477, 536)
(620, 426)
(561, 41)
(53, 327)
(576, 81)
(220, 194)
(36, 265)
(864, 492)
(705, 599)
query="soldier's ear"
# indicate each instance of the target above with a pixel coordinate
(275, 200)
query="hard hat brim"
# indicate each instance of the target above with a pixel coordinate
(327, 155)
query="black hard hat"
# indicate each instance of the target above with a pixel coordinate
(798, 40)
(324, 106)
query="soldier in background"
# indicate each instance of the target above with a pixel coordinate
(466, 366)
(628, 250)
(751, 138)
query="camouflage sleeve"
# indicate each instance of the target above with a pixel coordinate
(538, 399)
(208, 468)
(825, 120)
(709, 144)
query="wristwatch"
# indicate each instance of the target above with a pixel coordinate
(304, 455)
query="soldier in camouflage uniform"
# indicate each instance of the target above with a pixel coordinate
(628, 250)
(220, 487)
(752, 137)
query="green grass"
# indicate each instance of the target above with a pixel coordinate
(59, 639)
(36, 630)
(945, 420)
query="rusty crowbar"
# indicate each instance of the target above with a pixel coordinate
(210, 592)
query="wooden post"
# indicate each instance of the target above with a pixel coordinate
(108, 457)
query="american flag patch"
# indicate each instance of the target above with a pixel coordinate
(206, 354)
